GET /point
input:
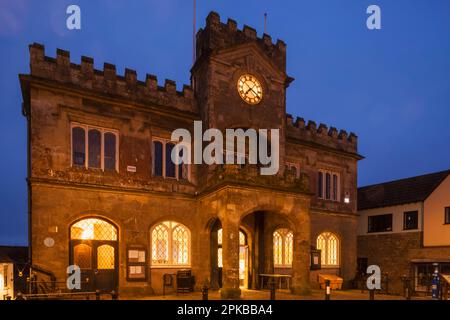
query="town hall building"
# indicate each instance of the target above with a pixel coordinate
(104, 194)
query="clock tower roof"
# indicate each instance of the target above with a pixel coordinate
(216, 36)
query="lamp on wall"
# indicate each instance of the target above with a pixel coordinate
(347, 198)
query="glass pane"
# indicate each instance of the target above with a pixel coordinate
(321, 245)
(288, 248)
(110, 151)
(95, 142)
(170, 166)
(219, 258)
(277, 248)
(93, 229)
(327, 186)
(219, 236)
(105, 257)
(320, 184)
(82, 256)
(180, 238)
(335, 187)
(157, 158)
(160, 244)
(242, 241)
(78, 147)
(332, 250)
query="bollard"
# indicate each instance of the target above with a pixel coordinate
(272, 289)
(327, 290)
(205, 292)
(372, 294)
(408, 289)
(20, 296)
(387, 282)
(97, 295)
(114, 295)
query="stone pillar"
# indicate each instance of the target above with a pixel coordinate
(301, 258)
(230, 258)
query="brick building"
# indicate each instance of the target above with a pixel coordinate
(104, 194)
(404, 227)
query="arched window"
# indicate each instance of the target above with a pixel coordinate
(93, 229)
(170, 243)
(283, 244)
(328, 243)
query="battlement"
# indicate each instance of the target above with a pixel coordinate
(107, 81)
(329, 137)
(217, 35)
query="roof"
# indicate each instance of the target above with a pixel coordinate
(409, 190)
(16, 254)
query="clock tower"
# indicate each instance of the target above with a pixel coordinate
(240, 80)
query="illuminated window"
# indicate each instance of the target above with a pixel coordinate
(93, 229)
(94, 147)
(328, 243)
(283, 247)
(105, 257)
(170, 244)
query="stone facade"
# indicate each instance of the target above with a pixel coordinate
(59, 92)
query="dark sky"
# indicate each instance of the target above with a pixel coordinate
(390, 86)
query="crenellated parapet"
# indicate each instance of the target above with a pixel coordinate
(329, 137)
(107, 81)
(217, 35)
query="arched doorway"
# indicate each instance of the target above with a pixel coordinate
(94, 248)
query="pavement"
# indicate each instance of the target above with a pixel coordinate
(281, 295)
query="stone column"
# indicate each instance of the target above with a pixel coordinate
(230, 258)
(301, 257)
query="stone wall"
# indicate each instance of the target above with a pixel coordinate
(392, 253)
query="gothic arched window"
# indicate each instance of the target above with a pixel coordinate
(170, 243)
(328, 243)
(283, 247)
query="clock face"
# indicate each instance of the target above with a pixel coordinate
(250, 89)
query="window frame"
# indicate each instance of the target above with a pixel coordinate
(446, 215)
(327, 235)
(164, 142)
(405, 213)
(322, 183)
(102, 131)
(380, 215)
(170, 229)
(283, 232)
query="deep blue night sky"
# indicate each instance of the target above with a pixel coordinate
(390, 86)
